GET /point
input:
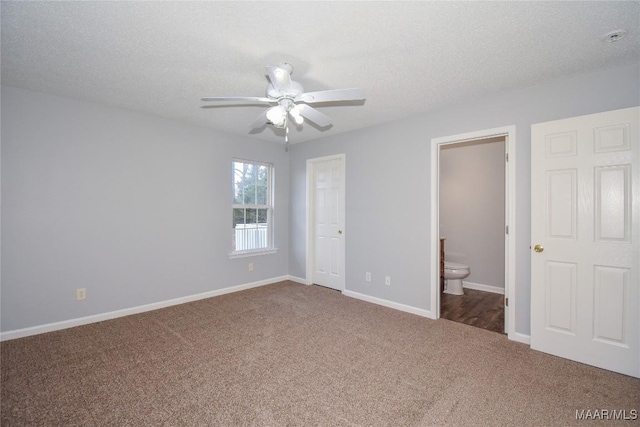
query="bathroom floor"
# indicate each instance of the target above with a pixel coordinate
(476, 308)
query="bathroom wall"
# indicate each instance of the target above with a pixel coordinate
(472, 209)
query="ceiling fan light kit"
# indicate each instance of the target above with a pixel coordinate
(277, 116)
(289, 100)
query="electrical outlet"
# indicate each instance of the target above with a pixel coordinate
(250, 266)
(367, 276)
(81, 294)
(387, 280)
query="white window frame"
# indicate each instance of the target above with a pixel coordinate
(270, 248)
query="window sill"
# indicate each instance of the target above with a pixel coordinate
(245, 254)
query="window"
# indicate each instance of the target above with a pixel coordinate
(252, 208)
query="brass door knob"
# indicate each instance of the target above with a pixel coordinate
(339, 231)
(538, 248)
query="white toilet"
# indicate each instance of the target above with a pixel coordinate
(453, 275)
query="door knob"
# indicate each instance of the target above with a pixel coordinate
(538, 248)
(339, 231)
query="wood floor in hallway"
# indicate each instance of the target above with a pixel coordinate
(476, 308)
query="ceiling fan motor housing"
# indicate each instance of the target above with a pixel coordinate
(294, 90)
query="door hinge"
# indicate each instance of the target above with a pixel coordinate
(506, 230)
(507, 157)
(506, 302)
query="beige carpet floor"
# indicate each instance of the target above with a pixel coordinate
(288, 354)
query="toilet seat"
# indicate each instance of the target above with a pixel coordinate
(454, 266)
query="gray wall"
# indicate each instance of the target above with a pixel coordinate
(472, 204)
(388, 181)
(135, 208)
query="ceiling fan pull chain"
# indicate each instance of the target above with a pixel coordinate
(286, 135)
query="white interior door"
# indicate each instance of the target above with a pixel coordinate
(585, 230)
(328, 223)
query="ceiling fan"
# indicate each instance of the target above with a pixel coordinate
(289, 101)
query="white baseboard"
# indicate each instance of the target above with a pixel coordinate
(390, 304)
(481, 287)
(518, 337)
(297, 279)
(56, 326)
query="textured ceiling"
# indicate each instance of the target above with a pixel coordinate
(409, 57)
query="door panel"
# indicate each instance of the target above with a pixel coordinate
(561, 296)
(613, 215)
(585, 184)
(610, 309)
(561, 203)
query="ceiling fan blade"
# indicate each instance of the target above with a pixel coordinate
(332, 96)
(260, 121)
(314, 115)
(246, 100)
(279, 77)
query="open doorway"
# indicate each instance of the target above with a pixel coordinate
(507, 186)
(472, 232)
